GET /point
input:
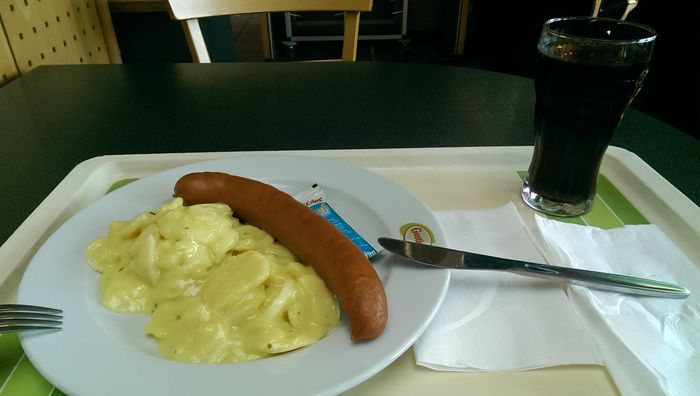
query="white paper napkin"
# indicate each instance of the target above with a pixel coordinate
(651, 346)
(491, 321)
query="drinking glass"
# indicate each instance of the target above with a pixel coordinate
(588, 72)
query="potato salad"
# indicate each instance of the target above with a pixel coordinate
(216, 290)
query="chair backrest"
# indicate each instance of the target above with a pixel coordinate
(58, 32)
(188, 12)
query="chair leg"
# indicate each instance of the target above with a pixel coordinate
(290, 49)
(110, 36)
(265, 36)
(352, 29)
(195, 41)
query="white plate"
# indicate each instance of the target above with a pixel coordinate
(101, 352)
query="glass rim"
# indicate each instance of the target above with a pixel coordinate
(648, 39)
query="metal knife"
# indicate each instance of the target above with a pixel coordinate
(449, 258)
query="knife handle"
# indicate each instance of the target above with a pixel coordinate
(601, 280)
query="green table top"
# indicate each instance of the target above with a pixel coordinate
(57, 116)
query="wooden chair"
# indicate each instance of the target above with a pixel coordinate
(188, 12)
(57, 32)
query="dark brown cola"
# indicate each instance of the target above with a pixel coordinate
(577, 110)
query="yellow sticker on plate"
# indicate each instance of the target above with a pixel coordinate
(418, 233)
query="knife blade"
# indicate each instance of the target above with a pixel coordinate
(455, 259)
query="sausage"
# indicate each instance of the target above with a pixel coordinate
(341, 264)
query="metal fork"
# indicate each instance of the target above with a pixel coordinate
(18, 317)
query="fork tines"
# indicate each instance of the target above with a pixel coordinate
(18, 317)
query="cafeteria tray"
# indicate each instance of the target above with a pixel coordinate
(466, 178)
